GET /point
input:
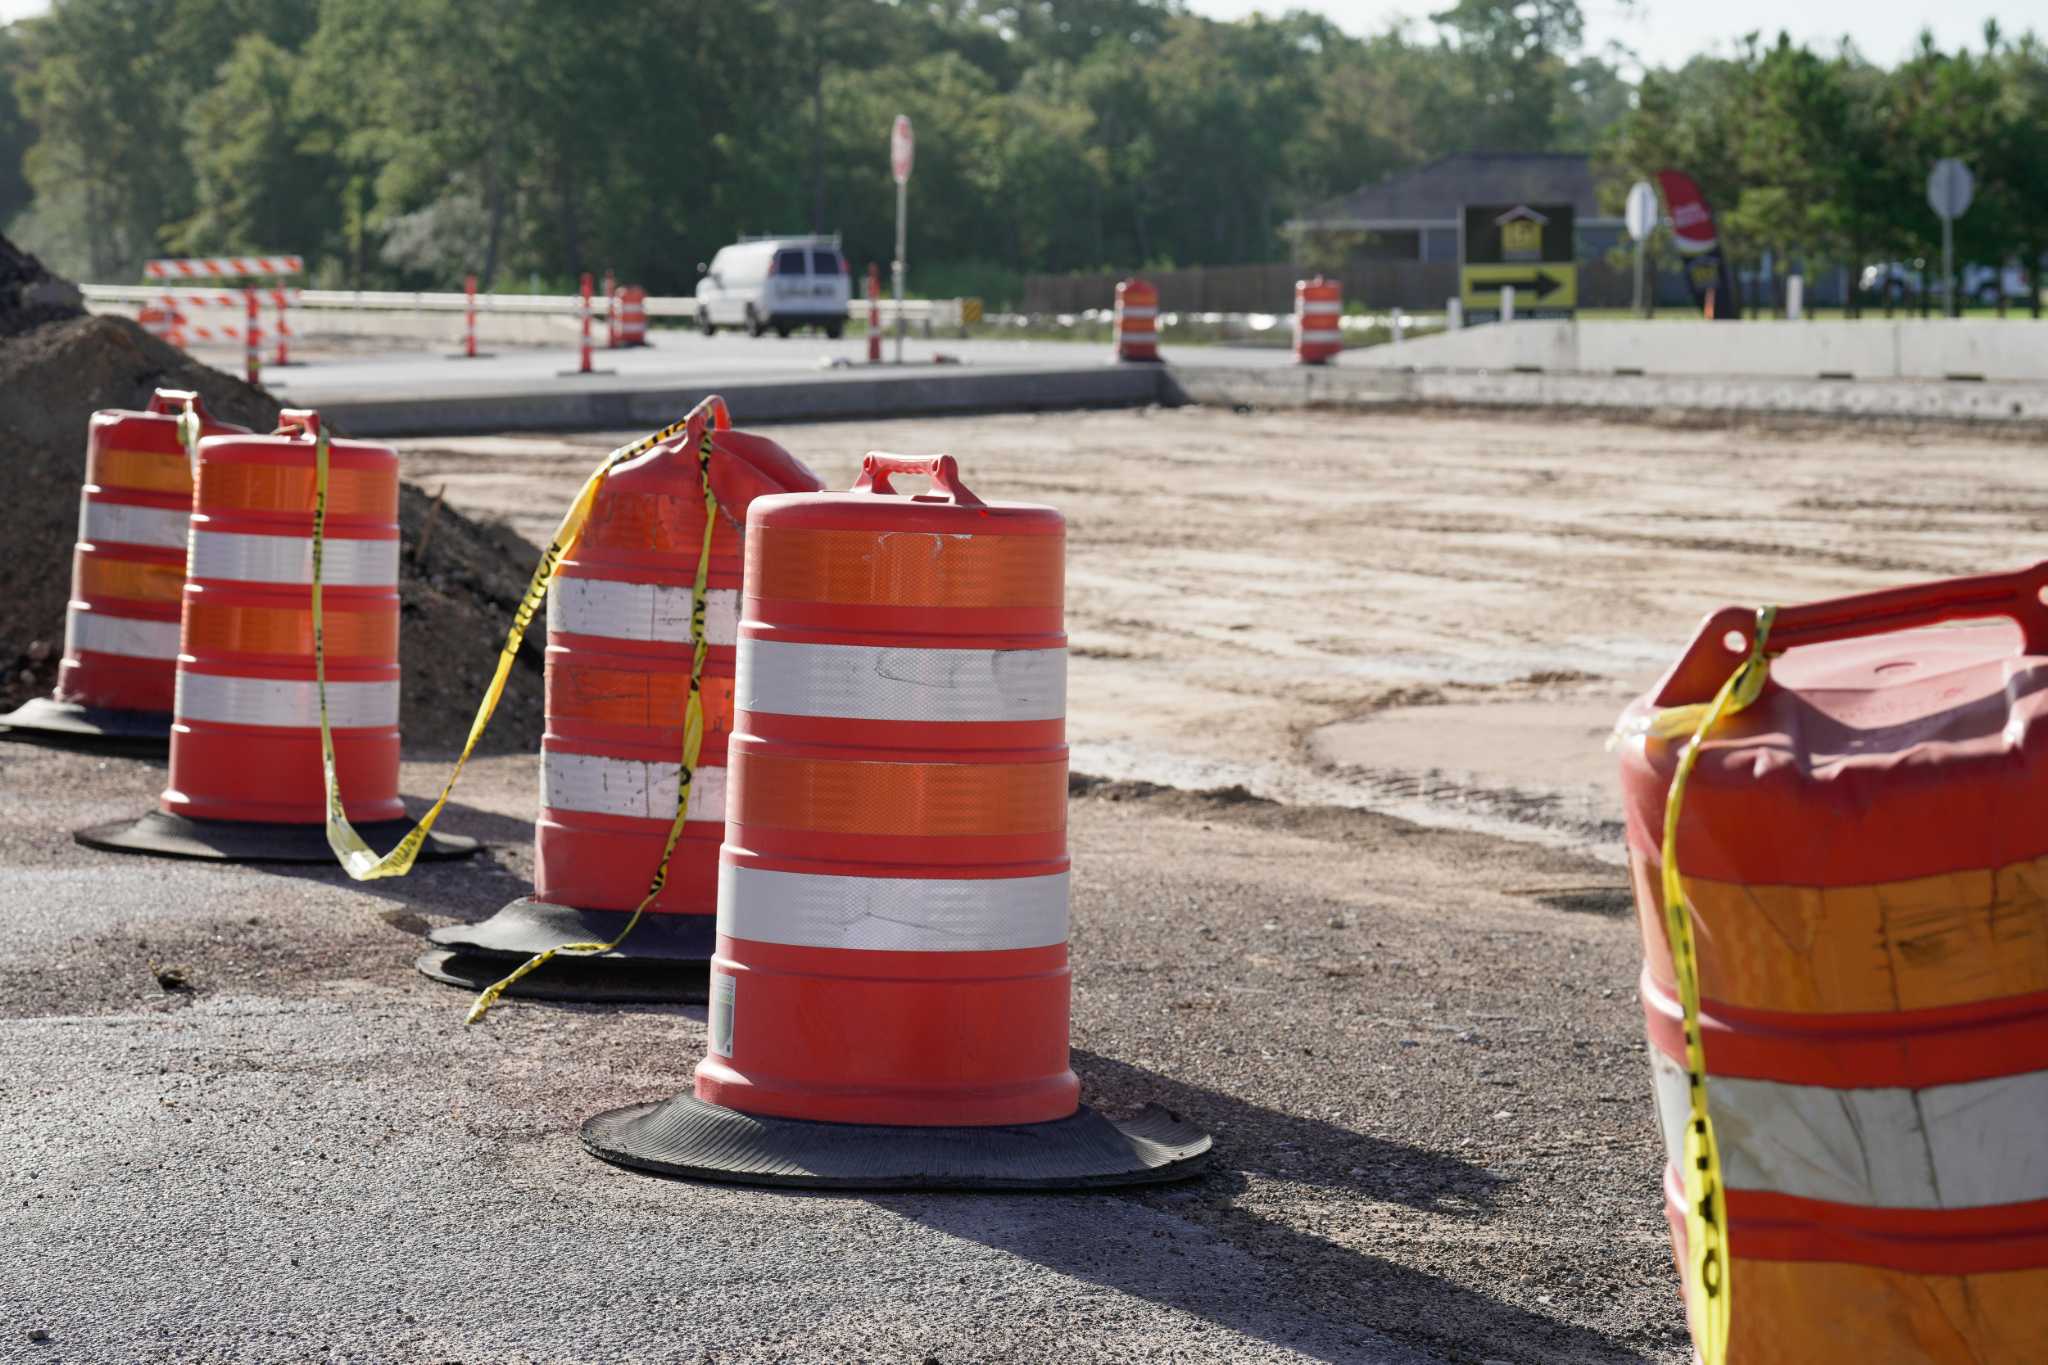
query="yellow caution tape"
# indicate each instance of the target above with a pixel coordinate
(1706, 1199)
(693, 746)
(357, 858)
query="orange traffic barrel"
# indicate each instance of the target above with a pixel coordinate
(1867, 865)
(245, 778)
(629, 308)
(114, 686)
(619, 656)
(1318, 313)
(889, 998)
(1137, 321)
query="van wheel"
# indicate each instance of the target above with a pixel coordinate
(755, 327)
(705, 324)
(782, 330)
(835, 330)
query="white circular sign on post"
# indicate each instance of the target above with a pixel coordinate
(901, 146)
(1642, 210)
(1950, 187)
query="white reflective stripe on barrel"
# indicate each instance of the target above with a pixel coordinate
(102, 522)
(649, 612)
(1321, 336)
(1322, 305)
(124, 635)
(1945, 1147)
(892, 914)
(629, 787)
(238, 558)
(278, 701)
(1137, 310)
(868, 682)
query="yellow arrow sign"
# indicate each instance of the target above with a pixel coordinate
(1536, 284)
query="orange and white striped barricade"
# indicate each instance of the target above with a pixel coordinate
(619, 659)
(889, 997)
(203, 269)
(1862, 874)
(115, 684)
(180, 317)
(629, 307)
(1318, 314)
(1137, 321)
(245, 777)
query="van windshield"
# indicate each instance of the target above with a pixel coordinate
(789, 261)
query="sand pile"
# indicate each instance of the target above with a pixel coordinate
(58, 366)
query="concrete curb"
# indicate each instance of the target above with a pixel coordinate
(2004, 404)
(829, 397)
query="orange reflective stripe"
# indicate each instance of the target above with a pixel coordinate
(1814, 1311)
(148, 471)
(901, 798)
(1952, 939)
(906, 568)
(289, 630)
(647, 523)
(226, 486)
(137, 580)
(619, 696)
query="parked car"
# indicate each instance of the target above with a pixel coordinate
(775, 282)
(1898, 281)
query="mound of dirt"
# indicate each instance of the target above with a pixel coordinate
(457, 591)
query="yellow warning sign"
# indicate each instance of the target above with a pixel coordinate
(1538, 285)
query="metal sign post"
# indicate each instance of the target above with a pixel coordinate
(1950, 187)
(902, 144)
(1642, 217)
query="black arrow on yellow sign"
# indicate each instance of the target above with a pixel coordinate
(1539, 284)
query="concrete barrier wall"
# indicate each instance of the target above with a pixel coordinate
(1901, 349)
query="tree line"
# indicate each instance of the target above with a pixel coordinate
(1821, 158)
(406, 143)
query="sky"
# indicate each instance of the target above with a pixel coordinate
(1667, 32)
(1662, 32)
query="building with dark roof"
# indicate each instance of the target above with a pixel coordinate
(1414, 216)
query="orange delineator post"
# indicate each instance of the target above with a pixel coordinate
(611, 313)
(1318, 308)
(282, 299)
(584, 366)
(469, 317)
(1137, 321)
(874, 313)
(891, 983)
(252, 339)
(1863, 861)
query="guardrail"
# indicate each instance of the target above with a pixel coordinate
(925, 312)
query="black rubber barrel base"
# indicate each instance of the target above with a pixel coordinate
(687, 1137)
(250, 841)
(580, 980)
(528, 926)
(67, 725)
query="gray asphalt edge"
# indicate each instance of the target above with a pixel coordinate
(937, 391)
(2022, 405)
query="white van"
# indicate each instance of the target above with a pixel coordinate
(779, 282)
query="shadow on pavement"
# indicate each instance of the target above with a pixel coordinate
(1210, 1247)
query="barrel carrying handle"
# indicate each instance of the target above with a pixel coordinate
(298, 421)
(1723, 640)
(172, 402)
(942, 470)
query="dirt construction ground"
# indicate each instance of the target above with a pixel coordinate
(1346, 892)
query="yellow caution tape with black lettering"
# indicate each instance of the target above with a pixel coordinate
(693, 747)
(1706, 1198)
